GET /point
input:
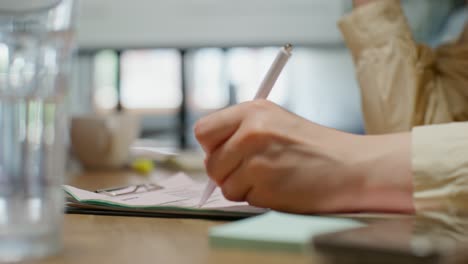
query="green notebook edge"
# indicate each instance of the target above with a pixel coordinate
(263, 245)
(223, 237)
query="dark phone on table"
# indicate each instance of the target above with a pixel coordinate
(403, 241)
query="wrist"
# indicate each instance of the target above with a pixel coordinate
(384, 165)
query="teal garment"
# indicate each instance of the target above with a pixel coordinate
(454, 27)
(277, 231)
(427, 18)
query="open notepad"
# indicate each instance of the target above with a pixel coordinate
(178, 195)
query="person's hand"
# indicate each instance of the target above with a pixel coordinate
(260, 153)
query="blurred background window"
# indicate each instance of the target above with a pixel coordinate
(150, 80)
(105, 80)
(3, 57)
(208, 80)
(247, 67)
(173, 61)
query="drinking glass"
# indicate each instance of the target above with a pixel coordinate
(36, 47)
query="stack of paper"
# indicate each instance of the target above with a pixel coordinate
(179, 195)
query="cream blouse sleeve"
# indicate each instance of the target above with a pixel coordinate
(406, 86)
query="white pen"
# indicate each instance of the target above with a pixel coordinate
(263, 91)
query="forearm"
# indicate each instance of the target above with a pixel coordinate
(385, 164)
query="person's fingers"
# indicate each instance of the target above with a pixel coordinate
(237, 185)
(223, 161)
(212, 130)
(227, 157)
(250, 176)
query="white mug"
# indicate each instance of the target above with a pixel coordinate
(103, 142)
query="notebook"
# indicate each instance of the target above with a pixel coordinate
(277, 231)
(177, 195)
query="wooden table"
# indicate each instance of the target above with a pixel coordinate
(112, 239)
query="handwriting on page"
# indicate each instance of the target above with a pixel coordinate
(183, 187)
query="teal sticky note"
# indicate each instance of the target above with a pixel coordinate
(277, 231)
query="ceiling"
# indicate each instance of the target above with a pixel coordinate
(201, 23)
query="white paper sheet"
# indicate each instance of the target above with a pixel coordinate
(178, 191)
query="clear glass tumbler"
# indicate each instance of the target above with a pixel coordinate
(36, 44)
